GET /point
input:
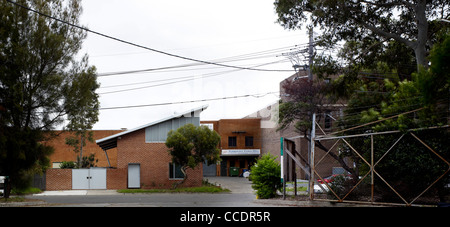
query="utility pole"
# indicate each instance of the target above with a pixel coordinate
(311, 52)
(312, 131)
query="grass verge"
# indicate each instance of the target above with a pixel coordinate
(203, 189)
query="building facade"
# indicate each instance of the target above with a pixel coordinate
(143, 154)
(65, 153)
(142, 160)
(240, 146)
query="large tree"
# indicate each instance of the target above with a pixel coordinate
(190, 145)
(409, 22)
(43, 83)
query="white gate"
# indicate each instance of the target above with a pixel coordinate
(94, 178)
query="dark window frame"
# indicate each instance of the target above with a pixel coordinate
(232, 141)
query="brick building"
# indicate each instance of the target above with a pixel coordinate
(270, 135)
(143, 153)
(142, 160)
(64, 152)
(240, 145)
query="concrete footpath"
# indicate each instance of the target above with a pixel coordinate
(77, 192)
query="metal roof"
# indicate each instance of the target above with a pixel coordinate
(111, 141)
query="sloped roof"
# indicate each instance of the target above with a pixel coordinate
(111, 141)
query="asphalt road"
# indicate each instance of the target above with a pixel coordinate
(154, 200)
(241, 195)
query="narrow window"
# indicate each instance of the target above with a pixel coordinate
(249, 141)
(232, 141)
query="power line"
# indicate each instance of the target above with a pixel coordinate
(243, 57)
(192, 101)
(141, 46)
(182, 79)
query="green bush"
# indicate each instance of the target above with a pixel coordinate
(67, 165)
(266, 177)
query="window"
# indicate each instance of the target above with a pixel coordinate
(249, 141)
(232, 141)
(175, 171)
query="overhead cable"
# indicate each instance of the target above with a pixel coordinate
(192, 101)
(141, 46)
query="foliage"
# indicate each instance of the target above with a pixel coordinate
(266, 177)
(42, 84)
(190, 145)
(67, 165)
(410, 23)
(87, 161)
(409, 166)
(304, 97)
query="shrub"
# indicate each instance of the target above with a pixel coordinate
(67, 165)
(266, 177)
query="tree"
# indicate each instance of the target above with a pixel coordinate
(409, 22)
(83, 104)
(190, 145)
(42, 83)
(409, 166)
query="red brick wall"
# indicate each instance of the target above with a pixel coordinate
(58, 179)
(64, 152)
(154, 161)
(131, 148)
(116, 178)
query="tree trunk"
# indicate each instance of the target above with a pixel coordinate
(183, 170)
(422, 35)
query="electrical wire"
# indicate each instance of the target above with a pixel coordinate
(244, 57)
(192, 101)
(141, 46)
(183, 79)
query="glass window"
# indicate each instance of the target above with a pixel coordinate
(175, 171)
(232, 141)
(249, 141)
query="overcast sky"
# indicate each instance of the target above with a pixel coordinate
(208, 30)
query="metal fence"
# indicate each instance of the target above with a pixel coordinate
(396, 167)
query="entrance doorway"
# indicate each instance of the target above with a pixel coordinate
(134, 175)
(242, 163)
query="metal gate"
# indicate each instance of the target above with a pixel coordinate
(85, 179)
(363, 168)
(209, 170)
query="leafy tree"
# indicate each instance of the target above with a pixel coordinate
(409, 166)
(266, 177)
(42, 83)
(409, 22)
(190, 145)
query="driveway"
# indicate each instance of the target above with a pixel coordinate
(237, 185)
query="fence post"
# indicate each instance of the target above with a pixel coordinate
(371, 169)
(311, 164)
(282, 166)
